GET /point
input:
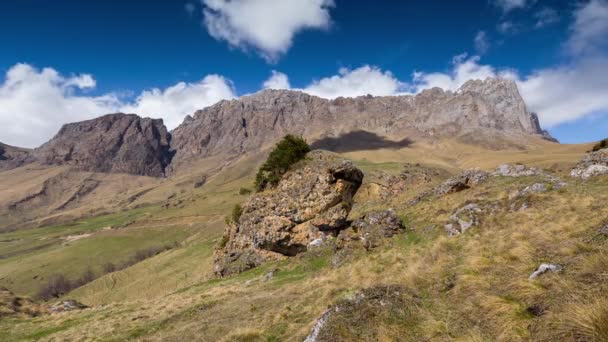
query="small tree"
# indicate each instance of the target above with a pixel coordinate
(601, 145)
(287, 152)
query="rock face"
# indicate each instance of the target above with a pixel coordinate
(12, 157)
(310, 201)
(593, 164)
(492, 108)
(122, 143)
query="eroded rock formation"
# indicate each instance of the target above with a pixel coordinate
(312, 200)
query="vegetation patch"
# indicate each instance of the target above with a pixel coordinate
(287, 152)
(600, 145)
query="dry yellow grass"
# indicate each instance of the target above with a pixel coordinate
(472, 287)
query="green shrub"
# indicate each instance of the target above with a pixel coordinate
(601, 145)
(244, 191)
(237, 210)
(288, 151)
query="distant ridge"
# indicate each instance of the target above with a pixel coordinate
(479, 112)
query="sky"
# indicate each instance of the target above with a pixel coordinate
(70, 60)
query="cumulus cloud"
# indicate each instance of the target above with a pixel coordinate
(509, 5)
(35, 103)
(361, 81)
(481, 42)
(590, 29)
(277, 80)
(267, 26)
(463, 69)
(175, 102)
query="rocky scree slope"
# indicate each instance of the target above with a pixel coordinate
(111, 143)
(481, 109)
(311, 203)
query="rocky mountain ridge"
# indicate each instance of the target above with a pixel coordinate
(486, 110)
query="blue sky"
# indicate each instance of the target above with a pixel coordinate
(104, 55)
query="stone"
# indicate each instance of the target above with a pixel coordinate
(376, 226)
(461, 182)
(593, 164)
(464, 218)
(123, 143)
(544, 268)
(516, 170)
(311, 201)
(67, 305)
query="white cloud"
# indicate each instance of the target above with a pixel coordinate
(509, 5)
(267, 26)
(569, 92)
(35, 103)
(175, 102)
(545, 17)
(277, 80)
(507, 27)
(361, 81)
(463, 69)
(481, 42)
(590, 29)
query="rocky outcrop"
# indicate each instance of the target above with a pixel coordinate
(310, 201)
(461, 182)
(122, 143)
(492, 108)
(12, 157)
(377, 226)
(516, 170)
(593, 164)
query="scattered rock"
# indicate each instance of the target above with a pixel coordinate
(593, 164)
(310, 201)
(464, 218)
(269, 275)
(376, 226)
(517, 170)
(604, 229)
(315, 243)
(544, 268)
(364, 316)
(67, 305)
(461, 182)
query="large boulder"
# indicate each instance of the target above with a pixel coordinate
(124, 143)
(593, 164)
(310, 201)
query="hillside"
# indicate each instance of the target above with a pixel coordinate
(460, 220)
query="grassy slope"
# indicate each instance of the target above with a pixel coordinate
(470, 287)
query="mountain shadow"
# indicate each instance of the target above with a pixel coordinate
(357, 141)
